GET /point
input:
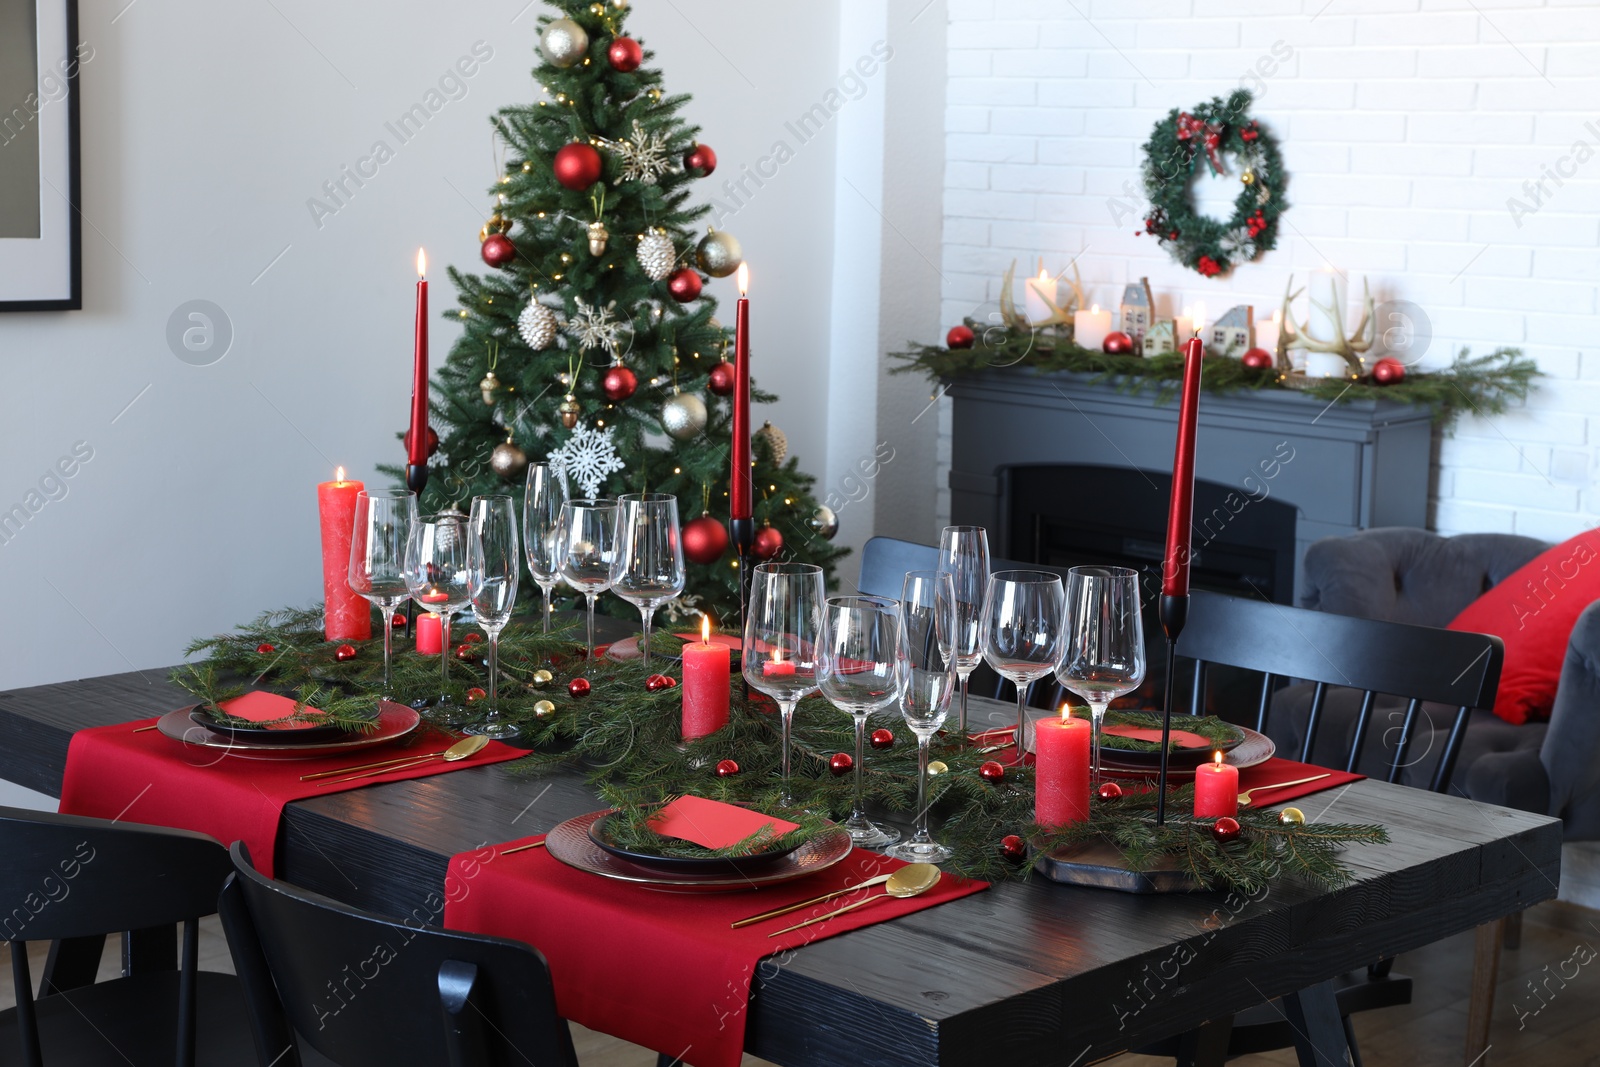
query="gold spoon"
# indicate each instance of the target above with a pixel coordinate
(1244, 798)
(467, 746)
(911, 880)
(824, 898)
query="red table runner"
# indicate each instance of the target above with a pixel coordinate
(1287, 770)
(662, 970)
(146, 777)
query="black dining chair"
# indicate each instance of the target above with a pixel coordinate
(72, 881)
(1424, 665)
(363, 990)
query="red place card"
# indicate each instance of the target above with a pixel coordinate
(713, 824)
(1184, 738)
(257, 706)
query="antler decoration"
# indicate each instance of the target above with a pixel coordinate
(1347, 346)
(1286, 331)
(1060, 314)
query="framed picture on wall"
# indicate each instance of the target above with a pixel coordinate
(40, 56)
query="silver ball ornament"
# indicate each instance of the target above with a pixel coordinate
(683, 416)
(824, 522)
(656, 255)
(718, 254)
(508, 461)
(564, 43)
(537, 325)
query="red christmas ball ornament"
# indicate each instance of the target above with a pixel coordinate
(466, 653)
(433, 440)
(498, 250)
(722, 381)
(472, 638)
(577, 165)
(1388, 371)
(684, 285)
(475, 694)
(619, 383)
(265, 649)
(1109, 791)
(657, 682)
(959, 337)
(769, 543)
(1258, 359)
(578, 687)
(1116, 343)
(727, 768)
(1013, 848)
(345, 653)
(704, 540)
(882, 739)
(625, 54)
(992, 772)
(700, 161)
(1226, 829)
(397, 621)
(841, 763)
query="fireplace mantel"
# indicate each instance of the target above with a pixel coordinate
(1354, 465)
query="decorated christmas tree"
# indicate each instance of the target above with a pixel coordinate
(590, 342)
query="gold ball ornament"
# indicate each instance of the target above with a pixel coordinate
(597, 10)
(654, 95)
(563, 43)
(508, 461)
(527, 166)
(619, 5)
(566, 258)
(824, 522)
(776, 440)
(488, 386)
(598, 236)
(1292, 817)
(718, 254)
(541, 678)
(1248, 177)
(937, 767)
(683, 416)
(543, 709)
(570, 409)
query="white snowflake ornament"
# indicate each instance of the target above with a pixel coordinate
(644, 156)
(595, 327)
(587, 457)
(538, 325)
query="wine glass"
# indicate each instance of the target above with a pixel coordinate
(926, 669)
(438, 579)
(1022, 622)
(782, 627)
(541, 514)
(587, 542)
(494, 565)
(964, 555)
(384, 519)
(856, 672)
(1104, 653)
(647, 570)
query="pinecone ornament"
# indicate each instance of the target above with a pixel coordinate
(537, 324)
(777, 441)
(656, 254)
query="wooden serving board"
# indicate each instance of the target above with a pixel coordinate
(1101, 865)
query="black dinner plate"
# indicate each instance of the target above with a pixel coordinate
(1179, 757)
(304, 735)
(709, 865)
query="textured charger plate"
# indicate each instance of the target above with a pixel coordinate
(731, 866)
(570, 843)
(1100, 865)
(394, 722)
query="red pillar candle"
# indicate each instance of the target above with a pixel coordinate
(1216, 790)
(705, 685)
(1061, 775)
(430, 635)
(417, 438)
(740, 490)
(1175, 577)
(346, 616)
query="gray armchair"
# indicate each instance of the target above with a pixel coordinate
(1409, 575)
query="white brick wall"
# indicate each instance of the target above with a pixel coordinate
(1405, 125)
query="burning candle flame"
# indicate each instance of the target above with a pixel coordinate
(1094, 309)
(422, 263)
(744, 278)
(338, 475)
(1044, 275)
(1216, 758)
(1066, 712)
(705, 629)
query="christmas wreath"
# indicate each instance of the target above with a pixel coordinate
(1211, 132)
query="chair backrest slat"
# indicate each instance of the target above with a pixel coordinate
(1319, 697)
(1358, 738)
(1264, 704)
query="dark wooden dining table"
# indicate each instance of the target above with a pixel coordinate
(1030, 972)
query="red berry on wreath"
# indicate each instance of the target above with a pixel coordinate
(1388, 371)
(841, 763)
(882, 739)
(625, 54)
(1013, 848)
(498, 250)
(1116, 343)
(684, 285)
(619, 383)
(722, 380)
(345, 653)
(1226, 829)
(1173, 236)
(704, 540)
(466, 653)
(657, 682)
(769, 543)
(992, 772)
(959, 337)
(475, 694)
(578, 687)
(473, 638)
(727, 768)
(700, 161)
(1109, 791)
(1258, 359)
(577, 166)
(265, 649)
(1208, 266)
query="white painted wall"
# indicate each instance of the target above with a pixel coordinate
(206, 128)
(1406, 126)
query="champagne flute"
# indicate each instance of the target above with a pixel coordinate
(494, 566)
(856, 672)
(782, 626)
(384, 519)
(439, 581)
(1022, 623)
(587, 541)
(925, 665)
(1104, 653)
(964, 555)
(647, 570)
(541, 515)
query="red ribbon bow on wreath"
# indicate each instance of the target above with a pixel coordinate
(1210, 133)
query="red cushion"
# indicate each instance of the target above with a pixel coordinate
(1533, 611)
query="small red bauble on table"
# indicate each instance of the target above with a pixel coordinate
(700, 160)
(1116, 343)
(959, 337)
(619, 383)
(498, 250)
(722, 380)
(841, 763)
(475, 694)
(882, 739)
(265, 649)
(472, 638)
(1388, 371)
(577, 165)
(1013, 848)
(657, 682)
(1109, 791)
(727, 768)
(466, 653)
(684, 285)
(769, 543)
(1226, 829)
(625, 54)
(345, 653)
(1258, 359)
(992, 772)
(578, 687)
(704, 540)
(397, 622)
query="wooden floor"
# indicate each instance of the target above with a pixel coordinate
(1547, 1007)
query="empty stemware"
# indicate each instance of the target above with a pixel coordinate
(782, 629)
(383, 524)
(588, 543)
(494, 564)
(1022, 639)
(927, 676)
(541, 518)
(439, 581)
(647, 570)
(1104, 653)
(964, 555)
(856, 672)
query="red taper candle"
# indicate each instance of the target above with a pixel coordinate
(1175, 576)
(417, 438)
(740, 490)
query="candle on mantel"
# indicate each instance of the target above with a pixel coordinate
(739, 490)
(1039, 297)
(430, 627)
(1216, 789)
(1267, 332)
(705, 685)
(346, 615)
(1183, 327)
(1061, 775)
(1175, 570)
(417, 433)
(1089, 328)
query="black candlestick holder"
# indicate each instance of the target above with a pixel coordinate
(1174, 613)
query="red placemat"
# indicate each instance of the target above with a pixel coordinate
(662, 970)
(146, 777)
